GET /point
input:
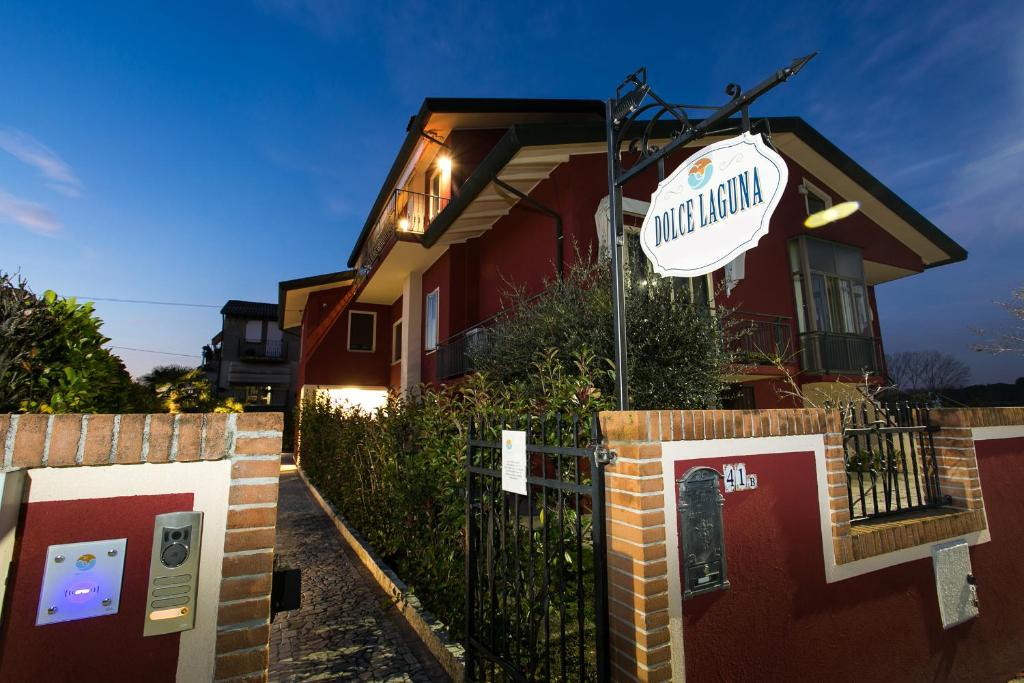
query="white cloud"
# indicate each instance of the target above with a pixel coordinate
(28, 150)
(27, 214)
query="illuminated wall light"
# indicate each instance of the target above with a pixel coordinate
(831, 215)
(403, 224)
(444, 163)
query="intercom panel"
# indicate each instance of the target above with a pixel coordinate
(173, 573)
(81, 580)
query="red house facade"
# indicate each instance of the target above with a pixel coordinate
(484, 192)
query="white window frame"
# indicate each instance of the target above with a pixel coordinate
(427, 336)
(373, 345)
(396, 344)
(808, 188)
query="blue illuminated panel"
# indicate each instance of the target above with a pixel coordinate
(81, 580)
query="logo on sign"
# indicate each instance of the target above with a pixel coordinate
(699, 174)
(86, 562)
(714, 207)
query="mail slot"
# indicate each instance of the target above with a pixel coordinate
(701, 532)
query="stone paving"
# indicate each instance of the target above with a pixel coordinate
(346, 629)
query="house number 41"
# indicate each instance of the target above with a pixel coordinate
(735, 478)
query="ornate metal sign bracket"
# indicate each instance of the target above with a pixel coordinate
(623, 124)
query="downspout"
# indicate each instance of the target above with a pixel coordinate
(559, 234)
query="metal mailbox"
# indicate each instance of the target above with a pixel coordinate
(701, 532)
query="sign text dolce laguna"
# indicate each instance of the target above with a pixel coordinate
(714, 207)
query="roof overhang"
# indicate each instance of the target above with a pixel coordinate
(528, 154)
(293, 294)
(439, 115)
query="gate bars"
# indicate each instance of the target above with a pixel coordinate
(890, 460)
(536, 573)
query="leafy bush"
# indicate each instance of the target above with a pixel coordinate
(677, 349)
(52, 358)
(180, 389)
(398, 475)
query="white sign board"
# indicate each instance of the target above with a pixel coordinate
(714, 207)
(513, 461)
(736, 478)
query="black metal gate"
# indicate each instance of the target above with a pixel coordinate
(536, 576)
(890, 459)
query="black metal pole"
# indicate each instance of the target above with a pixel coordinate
(614, 231)
(601, 625)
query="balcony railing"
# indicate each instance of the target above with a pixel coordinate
(828, 353)
(757, 337)
(404, 213)
(454, 355)
(271, 349)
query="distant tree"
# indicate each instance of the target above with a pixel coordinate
(181, 389)
(52, 358)
(926, 371)
(1012, 339)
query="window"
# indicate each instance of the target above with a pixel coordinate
(638, 270)
(838, 293)
(815, 198)
(434, 198)
(257, 395)
(253, 330)
(362, 331)
(273, 332)
(431, 320)
(396, 342)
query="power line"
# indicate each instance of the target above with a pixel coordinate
(162, 353)
(152, 303)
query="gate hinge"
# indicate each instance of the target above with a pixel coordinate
(604, 455)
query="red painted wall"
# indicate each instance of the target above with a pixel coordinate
(108, 648)
(332, 363)
(780, 620)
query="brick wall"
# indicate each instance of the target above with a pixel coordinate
(251, 441)
(641, 647)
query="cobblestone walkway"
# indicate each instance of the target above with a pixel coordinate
(346, 629)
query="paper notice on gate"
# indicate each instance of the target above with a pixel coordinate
(513, 462)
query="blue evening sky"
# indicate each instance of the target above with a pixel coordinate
(196, 152)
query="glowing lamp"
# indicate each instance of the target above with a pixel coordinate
(444, 163)
(831, 214)
(403, 224)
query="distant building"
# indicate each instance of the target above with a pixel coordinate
(251, 359)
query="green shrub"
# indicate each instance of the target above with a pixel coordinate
(398, 475)
(677, 350)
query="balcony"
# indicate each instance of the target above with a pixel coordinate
(828, 353)
(759, 338)
(269, 350)
(405, 213)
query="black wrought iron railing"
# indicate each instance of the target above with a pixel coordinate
(828, 353)
(271, 349)
(758, 337)
(404, 213)
(891, 466)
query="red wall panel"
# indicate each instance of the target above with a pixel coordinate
(332, 363)
(107, 648)
(781, 621)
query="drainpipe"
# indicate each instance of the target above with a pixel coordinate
(559, 235)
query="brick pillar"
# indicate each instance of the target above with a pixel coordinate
(838, 494)
(253, 441)
(954, 452)
(637, 566)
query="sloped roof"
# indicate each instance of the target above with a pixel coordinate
(256, 310)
